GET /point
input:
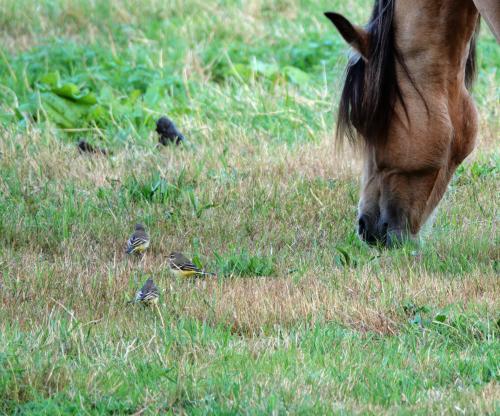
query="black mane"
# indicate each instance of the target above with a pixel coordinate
(471, 65)
(371, 88)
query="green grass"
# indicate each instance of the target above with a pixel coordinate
(303, 317)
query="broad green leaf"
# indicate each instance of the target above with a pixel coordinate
(68, 90)
(51, 79)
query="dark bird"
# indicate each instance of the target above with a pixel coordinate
(168, 132)
(86, 147)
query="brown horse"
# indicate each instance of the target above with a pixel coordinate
(406, 97)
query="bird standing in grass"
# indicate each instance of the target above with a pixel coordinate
(149, 293)
(138, 241)
(168, 132)
(84, 146)
(183, 267)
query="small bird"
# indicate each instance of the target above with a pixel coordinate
(168, 131)
(138, 241)
(84, 146)
(148, 295)
(183, 267)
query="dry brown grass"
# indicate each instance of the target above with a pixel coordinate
(91, 275)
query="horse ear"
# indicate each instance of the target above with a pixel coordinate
(354, 35)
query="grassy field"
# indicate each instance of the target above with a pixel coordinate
(303, 318)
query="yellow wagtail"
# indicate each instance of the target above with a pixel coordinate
(149, 293)
(181, 266)
(138, 241)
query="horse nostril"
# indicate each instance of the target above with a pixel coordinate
(385, 227)
(366, 229)
(362, 225)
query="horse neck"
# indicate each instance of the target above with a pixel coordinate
(433, 36)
